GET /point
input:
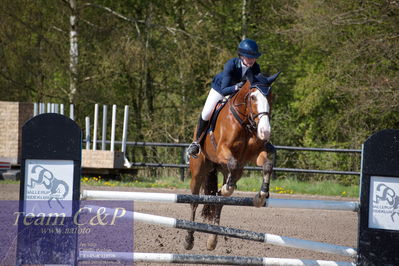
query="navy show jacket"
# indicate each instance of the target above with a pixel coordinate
(225, 81)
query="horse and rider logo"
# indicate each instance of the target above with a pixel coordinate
(386, 194)
(44, 180)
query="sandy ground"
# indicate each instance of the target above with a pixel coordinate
(335, 227)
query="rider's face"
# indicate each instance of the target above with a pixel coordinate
(248, 61)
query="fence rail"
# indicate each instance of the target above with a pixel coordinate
(162, 144)
(184, 162)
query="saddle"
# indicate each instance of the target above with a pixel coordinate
(219, 106)
(215, 114)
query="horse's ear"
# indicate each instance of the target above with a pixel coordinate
(274, 77)
(267, 80)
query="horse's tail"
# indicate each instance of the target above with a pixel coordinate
(210, 188)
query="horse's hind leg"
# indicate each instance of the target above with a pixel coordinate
(189, 240)
(211, 212)
(213, 238)
(198, 168)
(267, 168)
(230, 179)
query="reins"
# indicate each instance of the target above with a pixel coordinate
(249, 120)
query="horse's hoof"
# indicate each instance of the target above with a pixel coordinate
(260, 199)
(211, 242)
(189, 243)
(227, 190)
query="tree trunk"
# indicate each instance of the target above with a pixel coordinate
(73, 51)
(244, 19)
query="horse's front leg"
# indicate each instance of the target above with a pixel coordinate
(234, 172)
(267, 168)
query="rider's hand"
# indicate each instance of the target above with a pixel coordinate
(239, 85)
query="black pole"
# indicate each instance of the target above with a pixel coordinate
(182, 161)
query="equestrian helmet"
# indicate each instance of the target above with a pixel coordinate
(248, 48)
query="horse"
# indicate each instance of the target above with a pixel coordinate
(241, 131)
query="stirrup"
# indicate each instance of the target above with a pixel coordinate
(270, 148)
(194, 149)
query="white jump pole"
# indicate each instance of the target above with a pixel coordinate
(237, 201)
(87, 133)
(227, 231)
(104, 129)
(113, 128)
(62, 108)
(35, 109)
(95, 127)
(41, 108)
(201, 259)
(125, 122)
(71, 112)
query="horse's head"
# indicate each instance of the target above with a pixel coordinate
(257, 98)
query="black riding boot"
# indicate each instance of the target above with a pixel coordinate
(270, 148)
(195, 147)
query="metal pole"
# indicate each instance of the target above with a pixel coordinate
(361, 172)
(113, 127)
(274, 161)
(125, 121)
(183, 160)
(104, 132)
(41, 108)
(95, 127)
(71, 112)
(62, 108)
(35, 109)
(87, 133)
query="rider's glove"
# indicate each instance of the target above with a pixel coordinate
(239, 85)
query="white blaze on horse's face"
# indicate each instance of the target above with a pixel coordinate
(264, 129)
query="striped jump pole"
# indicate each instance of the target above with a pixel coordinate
(227, 231)
(235, 201)
(5, 166)
(201, 259)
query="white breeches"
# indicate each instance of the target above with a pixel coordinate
(213, 98)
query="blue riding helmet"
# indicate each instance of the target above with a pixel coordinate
(248, 48)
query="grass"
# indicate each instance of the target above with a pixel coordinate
(280, 186)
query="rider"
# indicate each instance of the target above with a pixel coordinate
(236, 71)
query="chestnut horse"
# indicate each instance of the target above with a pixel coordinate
(240, 134)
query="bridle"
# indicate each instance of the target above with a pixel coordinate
(248, 122)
